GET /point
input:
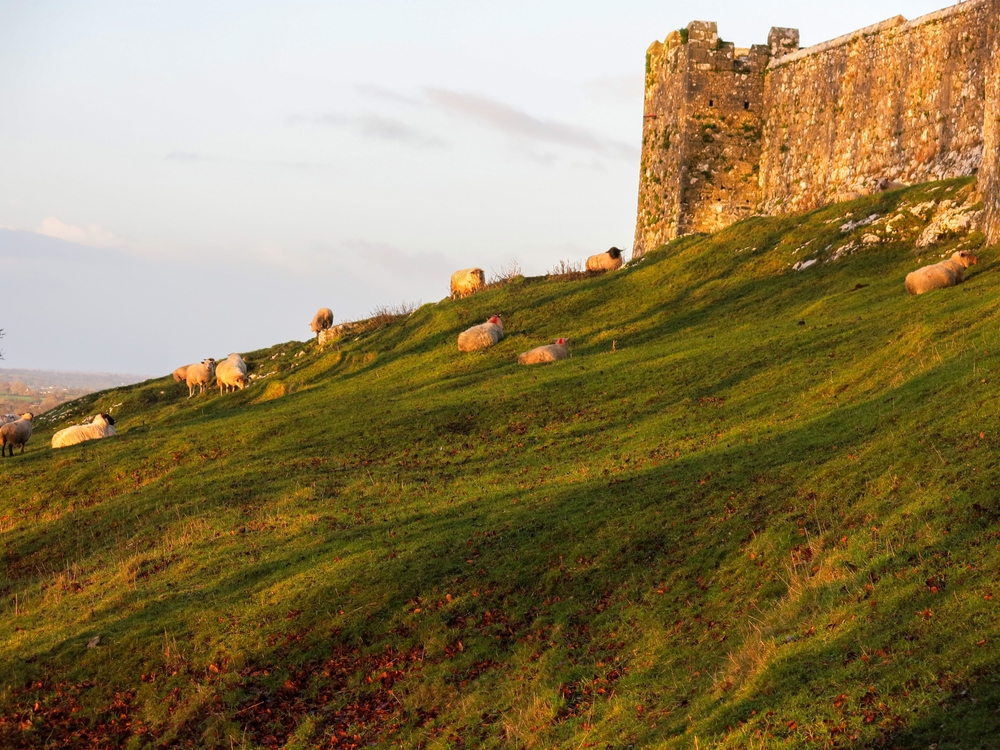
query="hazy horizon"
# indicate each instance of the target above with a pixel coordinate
(186, 180)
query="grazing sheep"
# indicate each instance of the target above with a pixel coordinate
(467, 281)
(322, 320)
(180, 374)
(231, 373)
(550, 353)
(481, 336)
(199, 375)
(101, 426)
(608, 261)
(940, 275)
(15, 433)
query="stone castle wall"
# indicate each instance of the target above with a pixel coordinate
(727, 132)
(989, 176)
(901, 101)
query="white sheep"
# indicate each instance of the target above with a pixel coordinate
(322, 320)
(180, 374)
(15, 433)
(5, 418)
(608, 261)
(231, 373)
(101, 426)
(550, 353)
(467, 281)
(199, 375)
(481, 336)
(940, 275)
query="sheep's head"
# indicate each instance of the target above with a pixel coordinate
(562, 342)
(28, 416)
(495, 320)
(108, 419)
(241, 381)
(615, 252)
(965, 258)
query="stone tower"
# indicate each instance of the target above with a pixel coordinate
(702, 130)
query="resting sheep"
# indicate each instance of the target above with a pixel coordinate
(551, 353)
(608, 261)
(15, 433)
(884, 184)
(322, 320)
(940, 275)
(180, 374)
(231, 373)
(199, 375)
(481, 336)
(467, 281)
(101, 426)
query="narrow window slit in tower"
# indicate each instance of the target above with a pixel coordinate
(746, 105)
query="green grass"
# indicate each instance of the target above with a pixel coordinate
(756, 508)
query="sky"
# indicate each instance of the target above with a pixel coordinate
(180, 179)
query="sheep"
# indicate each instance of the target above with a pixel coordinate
(608, 261)
(550, 353)
(884, 184)
(322, 320)
(199, 375)
(847, 195)
(180, 374)
(101, 426)
(15, 433)
(940, 275)
(467, 281)
(231, 373)
(5, 418)
(481, 336)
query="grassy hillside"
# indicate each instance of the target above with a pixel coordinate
(756, 508)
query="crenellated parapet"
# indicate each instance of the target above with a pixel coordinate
(774, 128)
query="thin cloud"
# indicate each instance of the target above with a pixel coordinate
(377, 127)
(92, 235)
(377, 92)
(519, 124)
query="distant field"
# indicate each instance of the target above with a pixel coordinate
(757, 508)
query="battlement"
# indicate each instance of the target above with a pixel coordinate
(730, 132)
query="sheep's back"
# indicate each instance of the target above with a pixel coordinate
(479, 337)
(81, 433)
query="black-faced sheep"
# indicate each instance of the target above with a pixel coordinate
(608, 261)
(550, 353)
(180, 374)
(322, 320)
(101, 426)
(231, 373)
(467, 281)
(199, 375)
(15, 433)
(481, 336)
(940, 275)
